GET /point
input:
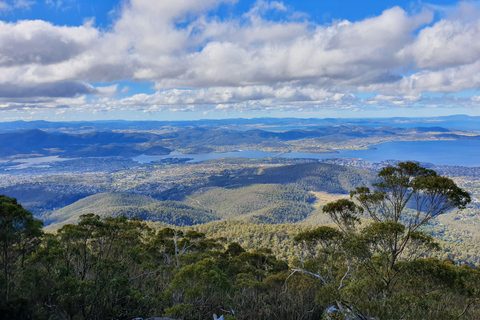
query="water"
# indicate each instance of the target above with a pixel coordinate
(452, 153)
(251, 154)
(34, 161)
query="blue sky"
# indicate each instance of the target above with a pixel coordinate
(190, 59)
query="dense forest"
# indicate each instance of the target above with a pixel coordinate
(372, 262)
(50, 198)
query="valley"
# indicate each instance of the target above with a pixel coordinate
(98, 174)
(170, 199)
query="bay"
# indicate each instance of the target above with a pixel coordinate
(23, 163)
(198, 157)
(451, 153)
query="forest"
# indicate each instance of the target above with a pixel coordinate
(373, 261)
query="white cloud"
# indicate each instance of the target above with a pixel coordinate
(230, 95)
(64, 4)
(16, 4)
(23, 4)
(39, 43)
(247, 61)
(449, 42)
(270, 53)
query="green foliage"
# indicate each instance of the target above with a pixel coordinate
(204, 285)
(132, 206)
(395, 228)
(257, 202)
(309, 176)
(234, 249)
(326, 236)
(344, 213)
(283, 213)
(386, 251)
(120, 268)
(182, 310)
(429, 194)
(19, 236)
(277, 237)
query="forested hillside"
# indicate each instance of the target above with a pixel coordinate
(58, 191)
(280, 239)
(236, 196)
(130, 206)
(256, 201)
(353, 268)
(308, 176)
(272, 195)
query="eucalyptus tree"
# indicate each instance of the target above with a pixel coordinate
(19, 235)
(404, 198)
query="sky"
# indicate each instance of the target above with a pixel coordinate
(64, 60)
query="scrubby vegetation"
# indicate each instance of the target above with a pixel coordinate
(120, 268)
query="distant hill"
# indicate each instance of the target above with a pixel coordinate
(190, 138)
(462, 122)
(309, 176)
(98, 204)
(96, 144)
(266, 203)
(194, 139)
(40, 197)
(117, 204)
(271, 195)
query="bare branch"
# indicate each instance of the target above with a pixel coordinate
(345, 275)
(186, 248)
(466, 308)
(310, 273)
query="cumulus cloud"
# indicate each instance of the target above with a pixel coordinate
(263, 52)
(231, 95)
(197, 60)
(449, 42)
(63, 89)
(41, 43)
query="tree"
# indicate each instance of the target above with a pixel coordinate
(173, 244)
(422, 190)
(201, 289)
(404, 199)
(84, 270)
(19, 234)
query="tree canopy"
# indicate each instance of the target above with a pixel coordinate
(373, 265)
(404, 199)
